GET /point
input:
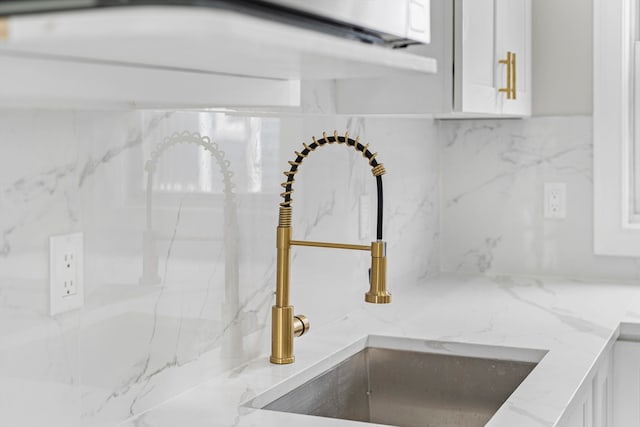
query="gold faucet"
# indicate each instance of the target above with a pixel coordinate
(285, 324)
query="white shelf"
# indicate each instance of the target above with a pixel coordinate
(53, 84)
(187, 56)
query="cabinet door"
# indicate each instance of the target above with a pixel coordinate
(488, 33)
(474, 70)
(592, 405)
(513, 34)
(626, 384)
(580, 412)
(603, 393)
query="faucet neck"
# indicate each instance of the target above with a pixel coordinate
(283, 246)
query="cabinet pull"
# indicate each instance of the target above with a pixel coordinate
(513, 75)
(4, 28)
(510, 62)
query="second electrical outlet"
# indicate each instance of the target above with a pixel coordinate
(555, 200)
(66, 272)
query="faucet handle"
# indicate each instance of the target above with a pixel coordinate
(301, 325)
(378, 275)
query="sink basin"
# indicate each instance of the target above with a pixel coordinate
(405, 387)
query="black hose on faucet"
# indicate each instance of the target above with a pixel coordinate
(377, 170)
(379, 216)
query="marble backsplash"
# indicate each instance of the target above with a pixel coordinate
(179, 239)
(179, 235)
(492, 211)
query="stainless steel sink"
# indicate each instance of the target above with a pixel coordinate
(408, 388)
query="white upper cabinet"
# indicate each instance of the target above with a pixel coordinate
(483, 49)
(475, 70)
(492, 57)
(513, 34)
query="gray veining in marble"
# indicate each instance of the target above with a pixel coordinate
(461, 196)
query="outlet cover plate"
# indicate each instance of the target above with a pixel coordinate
(66, 272)
(555, 200)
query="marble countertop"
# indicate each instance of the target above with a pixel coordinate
(572, 321)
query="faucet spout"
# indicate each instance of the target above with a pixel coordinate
(285, 324)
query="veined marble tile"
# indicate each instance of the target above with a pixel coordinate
(179, 235)
(493, 175)
(179, 285)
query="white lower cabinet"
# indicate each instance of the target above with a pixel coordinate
(602, 392)
(626, 384)
(592, 405)
(610, 396)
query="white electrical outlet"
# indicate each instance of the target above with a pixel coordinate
(66, 273)
(365, 217)
(555, 200)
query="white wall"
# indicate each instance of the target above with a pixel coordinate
(562, 57)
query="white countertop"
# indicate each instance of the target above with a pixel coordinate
(572, 320)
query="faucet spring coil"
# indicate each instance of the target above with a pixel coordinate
(377, 168)
(284, 218)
